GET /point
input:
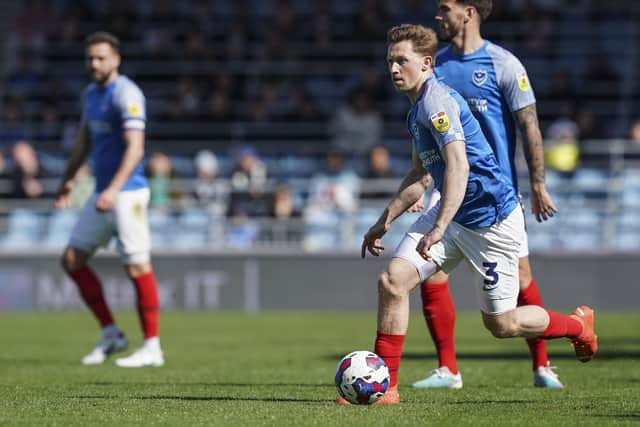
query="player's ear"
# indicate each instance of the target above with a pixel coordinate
(427, 63)
(469, 13)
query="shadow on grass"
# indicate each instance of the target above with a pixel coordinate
(209, 384)
(204, 398)
(618, 416)
(509, 355)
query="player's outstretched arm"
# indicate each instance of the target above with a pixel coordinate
(411, 189)
(79, 155)
(542, 205)
(456, 176)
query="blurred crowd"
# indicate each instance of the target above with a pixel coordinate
(312, 67)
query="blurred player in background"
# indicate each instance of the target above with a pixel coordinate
(477, 219)
(112, 130)
(495, 85)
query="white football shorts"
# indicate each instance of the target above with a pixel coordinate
(491, 252)
(127, 222)
(434, 198)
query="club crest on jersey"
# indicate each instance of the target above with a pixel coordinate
(523, 82)
(479, 76)
(440, 121)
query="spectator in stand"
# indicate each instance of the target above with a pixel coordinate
(634, 133)
(562, 152)
(12, 121)
(357, 126)
(379, 168)
(337, 188)
(26, 172)
(160, 174)
(282, 210)
(209, 190)
(242, 231)
(248, 182)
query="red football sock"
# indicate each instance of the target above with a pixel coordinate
(561, 326)
(148, 303)
(389, 347)
(440, 314)
(91, 292)
(537, 346)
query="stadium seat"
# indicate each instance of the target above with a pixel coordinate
(322, 230)
(24, 229)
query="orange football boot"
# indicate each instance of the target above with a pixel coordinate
(586, 345)
(342, 401)
(391, 397)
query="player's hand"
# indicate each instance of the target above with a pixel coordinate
(63, 196)
(372, 242)
(418, 206)
(106, 200)
(542, 205)
(428, 240)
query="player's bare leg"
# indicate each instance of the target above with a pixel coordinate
(394, 286)
(439, 312)
(531, 321)
(150, 353)
(74, 262)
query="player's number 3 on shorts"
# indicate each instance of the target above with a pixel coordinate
(491, 276)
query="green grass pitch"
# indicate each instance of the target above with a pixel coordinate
(277, 369)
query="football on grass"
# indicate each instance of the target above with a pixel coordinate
(362, 377)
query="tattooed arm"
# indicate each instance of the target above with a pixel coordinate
(542, 205)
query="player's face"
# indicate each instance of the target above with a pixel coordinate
(450, 18)
(406, 66)
(102, 62)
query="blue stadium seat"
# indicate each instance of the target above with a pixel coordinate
(322, 230)
(192, 229)
(161, 224)
(24, 229)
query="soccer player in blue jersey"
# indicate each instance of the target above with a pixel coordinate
(495, 85)
(477, 219)
(112, 132)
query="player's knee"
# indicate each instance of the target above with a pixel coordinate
(502, 326)
(437, 278)
(71, 261)
(388, 285)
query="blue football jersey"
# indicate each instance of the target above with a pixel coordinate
(439, 117)
(495, 84)
(109, 111)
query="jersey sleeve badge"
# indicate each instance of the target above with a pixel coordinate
(440, 121)
(523, 82)
(134, 110)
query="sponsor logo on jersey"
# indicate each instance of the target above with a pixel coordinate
(99, 126)
(134, 110)
(440, 121)
(429, 157)
(523, 82)
(479, 76)
(478, 105)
